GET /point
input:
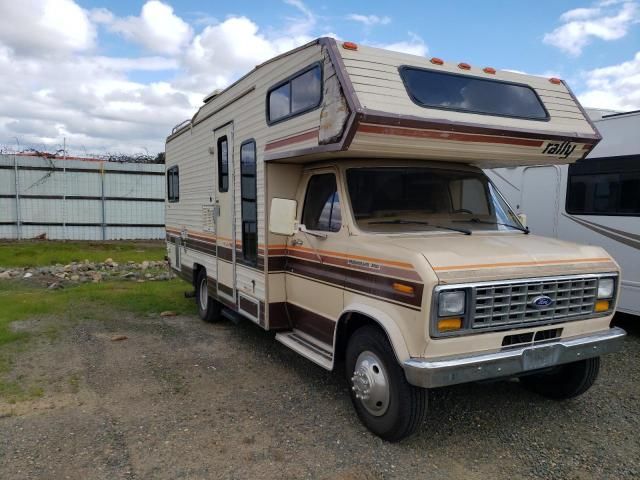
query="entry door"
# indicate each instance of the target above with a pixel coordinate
(225, 221)
(540, 190)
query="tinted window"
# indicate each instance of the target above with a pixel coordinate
(299, 94)
(223, 165)
(471, 94)
(305, 90)
(322, 204)
(604, 187)
(280, 102)
(249, 205)
(173, 185)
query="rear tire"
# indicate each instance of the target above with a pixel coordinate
(385, 402)
(564, 381)
(209, 310)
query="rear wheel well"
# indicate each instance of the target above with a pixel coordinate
(347, 325)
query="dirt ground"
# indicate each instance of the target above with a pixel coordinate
(181, 399)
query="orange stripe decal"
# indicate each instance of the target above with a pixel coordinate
(478, 266)
(354, 257)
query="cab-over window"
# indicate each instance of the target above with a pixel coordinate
(298, 94)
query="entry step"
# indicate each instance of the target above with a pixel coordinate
(307, 346)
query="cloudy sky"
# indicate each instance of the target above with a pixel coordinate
(115, 76)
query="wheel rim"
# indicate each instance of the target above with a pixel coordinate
(370, 383)
(204, 294)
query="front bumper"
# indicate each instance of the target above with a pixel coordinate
(444, 371)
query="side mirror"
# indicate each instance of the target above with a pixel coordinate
(523, 219)
(282, 217)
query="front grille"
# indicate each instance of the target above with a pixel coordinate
(511, 303)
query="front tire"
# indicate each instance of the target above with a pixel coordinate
(385, 402)
(209, 309)
(564, 381)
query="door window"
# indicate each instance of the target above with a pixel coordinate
(322, 204)
(248, 194)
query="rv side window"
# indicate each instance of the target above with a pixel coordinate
(322, 204)
(299, 94)
(248, 195)
(604, 187)
(223, 165)
(452, 91)
(173, 185)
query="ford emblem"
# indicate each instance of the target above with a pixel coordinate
(541, 301)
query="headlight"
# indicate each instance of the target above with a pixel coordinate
(451, 303)
(605, 288)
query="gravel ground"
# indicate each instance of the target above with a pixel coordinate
(183, 399)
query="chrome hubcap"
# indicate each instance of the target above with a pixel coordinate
(204, 294)
(370, 383)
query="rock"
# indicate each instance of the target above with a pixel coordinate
(128, 275)
(55, 286)
(96, 277)
(6, 274)
(75, 278)
(67, 268)
(147, 275)
(168, 313)
(118, 338)
(27, 275)
(114, 264)
(144, 265)
(108, 261)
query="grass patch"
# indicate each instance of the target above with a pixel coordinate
(48, 252)
(20, 301)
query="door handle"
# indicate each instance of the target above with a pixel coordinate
(296, 242)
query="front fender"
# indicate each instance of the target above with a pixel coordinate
(386, 323)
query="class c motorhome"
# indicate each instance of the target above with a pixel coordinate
(335, 196)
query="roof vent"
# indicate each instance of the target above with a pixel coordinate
(213, 94)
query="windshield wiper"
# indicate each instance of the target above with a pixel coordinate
(417, 222)
(477, 220)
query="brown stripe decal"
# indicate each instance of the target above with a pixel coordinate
(311, 323)
(440, 135)
(279, 317)
(301, 137)
(248, 306)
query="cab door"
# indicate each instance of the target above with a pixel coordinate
(225, 209)
(315, 277)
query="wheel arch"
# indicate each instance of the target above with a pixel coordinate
(359, 315)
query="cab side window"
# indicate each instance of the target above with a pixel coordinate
(322, 204)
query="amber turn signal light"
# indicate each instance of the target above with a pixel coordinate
(449, 324)
(402, 288)
(555, 81)
(464, 66)
(489, 70)
(437, 61)
(601, 306)
(350, 46)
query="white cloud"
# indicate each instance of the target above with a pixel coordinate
(369, 20)
(616, 87)
(57, 82)
(35, 27)
(158, 28)
(414, 46)
(581, 25)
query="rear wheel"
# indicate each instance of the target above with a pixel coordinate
(385, 402)
(564, 381)
(209, 309)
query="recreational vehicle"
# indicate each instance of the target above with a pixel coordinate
(335, 195)
(594, 201)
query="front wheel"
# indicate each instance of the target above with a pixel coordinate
(209, 309)
(385, 402)
(564, 381)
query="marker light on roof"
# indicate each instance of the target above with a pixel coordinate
(555, 80)
(490, 70)
(436, 61)
(464, 66)
(350, 46)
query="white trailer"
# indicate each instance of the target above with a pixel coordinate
(594, 201)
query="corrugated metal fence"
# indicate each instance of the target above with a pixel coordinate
(80, 199)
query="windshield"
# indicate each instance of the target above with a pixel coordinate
(412, 199)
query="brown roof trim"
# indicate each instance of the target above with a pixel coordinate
(384, 118)
(598, 136)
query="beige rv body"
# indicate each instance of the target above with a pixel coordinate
(309, 288)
